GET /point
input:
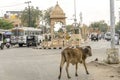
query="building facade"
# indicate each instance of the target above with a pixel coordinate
(13, 16)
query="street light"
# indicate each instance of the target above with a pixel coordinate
(28, 2)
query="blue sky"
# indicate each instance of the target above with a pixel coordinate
(92, 10)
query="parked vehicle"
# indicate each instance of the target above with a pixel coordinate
(7, 39)
(107, 36)
(8, 44)
(117, 39)
(20, 34)
(32, 40)
(118, 32)
(94, 37)
(1, 40)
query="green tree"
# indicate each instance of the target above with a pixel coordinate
(45, 20)
(4, 24)
(35, 15)
(46, 15)
(68, 28)
(101, 25)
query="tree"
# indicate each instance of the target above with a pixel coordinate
(69, 28)
(4, 24)
(46, 15)
(35, 15)
(101, 25)
(45, 20)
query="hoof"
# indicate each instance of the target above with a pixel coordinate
(59, 77)
(76, 75)
(69, 77)
(87, 73)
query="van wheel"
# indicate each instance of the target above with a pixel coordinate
(28, 45)
(118, 43)
(35, 44)
(20, 45)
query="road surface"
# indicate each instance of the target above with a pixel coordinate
(43, 64)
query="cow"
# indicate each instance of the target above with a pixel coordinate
(74, 56)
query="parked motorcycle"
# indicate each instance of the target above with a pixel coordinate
(7, 43)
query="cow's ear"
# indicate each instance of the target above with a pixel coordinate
(88, 47)
(86, 50)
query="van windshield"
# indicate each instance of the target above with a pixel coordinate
(18, 32)
(108, 34)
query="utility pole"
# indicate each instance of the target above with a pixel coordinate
(81, 18)
(76, 29)
(113, 57)
(112, 23)
(119, 15)
(29, 20)
(75, 20)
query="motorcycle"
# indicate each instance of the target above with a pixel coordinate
(7, 39)
(7, 43)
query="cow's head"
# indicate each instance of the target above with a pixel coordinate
(87, 50)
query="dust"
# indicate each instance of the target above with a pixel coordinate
(104, 71)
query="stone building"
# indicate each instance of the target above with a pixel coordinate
(13, 16)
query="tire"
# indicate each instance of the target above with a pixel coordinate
(28, 45)
(20, 45)
(35, 44)
(118, 43)
(8, 46)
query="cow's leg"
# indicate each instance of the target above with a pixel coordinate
(61, 65)
(85, 67)
(67, 70)
(76, 66)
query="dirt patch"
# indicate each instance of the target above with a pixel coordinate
(103, 71)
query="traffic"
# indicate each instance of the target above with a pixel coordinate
(20, 36)
(29, 36)
(106, 36)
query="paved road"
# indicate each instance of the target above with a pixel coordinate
(42, 64)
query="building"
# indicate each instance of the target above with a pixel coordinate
(13, 16)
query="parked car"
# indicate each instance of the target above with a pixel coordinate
(107, 36)
(94, 37)
(116, 39)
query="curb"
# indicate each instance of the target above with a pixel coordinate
(48, 48)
